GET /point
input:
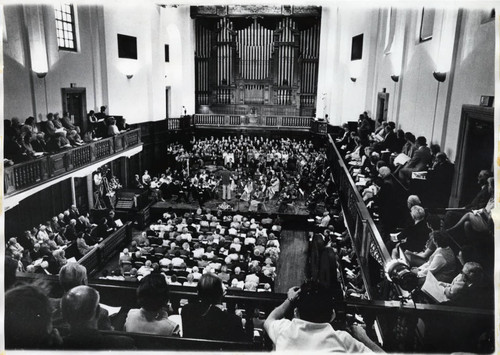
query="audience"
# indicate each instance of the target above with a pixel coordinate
(310, 330)
(80, 309)
(206, 319)
(28, 321)
(152, 317)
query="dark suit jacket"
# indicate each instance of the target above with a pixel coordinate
(416, 236)
(481, 199)
(420, 159)
(213, 324)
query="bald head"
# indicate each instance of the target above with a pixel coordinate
(80, 306)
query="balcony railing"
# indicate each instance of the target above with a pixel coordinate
(228, 121)
(28, 174)
(366, 238)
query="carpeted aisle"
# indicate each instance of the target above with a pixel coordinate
(291, 270)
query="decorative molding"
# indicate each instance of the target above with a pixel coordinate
(254, 10)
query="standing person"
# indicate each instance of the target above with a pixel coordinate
(205, 319)
(226, 183)
(310, 328)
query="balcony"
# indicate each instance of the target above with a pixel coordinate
(51, 168)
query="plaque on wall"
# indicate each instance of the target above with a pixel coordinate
(486, 101)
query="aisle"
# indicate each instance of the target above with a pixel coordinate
(292, 262)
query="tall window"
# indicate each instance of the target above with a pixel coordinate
(65, 26)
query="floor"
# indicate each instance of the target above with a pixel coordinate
(291, 270)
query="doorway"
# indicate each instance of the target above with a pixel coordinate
(475, 149)
(382, 106)
(75, 103)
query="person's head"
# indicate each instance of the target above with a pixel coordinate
(237, 270)
(152, 293)
(421, 141)
(410, 137)
(315, 303)
(384, 172)
(483, 176)
(80, 307)
(441, 157)
(72, 274)
(434, 222)
(413, 200)
(28, 318)
(417, 213)
(210, 289)
(442, 239)
(473, 273)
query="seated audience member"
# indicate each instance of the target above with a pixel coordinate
(112, 128)
(80, 309)
(477, 221)
(418, 258)
(110, 220)
(442, 263)
(67, 124)
(28, 321)
(419, 162)
(468, 287)
(478, 202)
(82, 246)
(414, 237)
(71, 275)
(440, 179)
(204, 319)
(310, 328)
(152, 317)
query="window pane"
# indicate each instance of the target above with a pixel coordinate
(65, 25)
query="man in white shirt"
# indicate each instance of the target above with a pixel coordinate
(310, 328)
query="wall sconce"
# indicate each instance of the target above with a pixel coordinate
(129, 76)
(353, 79)
(41, 75)
(395, 78)
(439, 76)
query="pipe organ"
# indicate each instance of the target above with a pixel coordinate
(257, 61)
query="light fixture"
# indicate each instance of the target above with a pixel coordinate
(41, 75)
(399, 273)
(353, 79)
(439, 76)
(129, 76)
(395, 78)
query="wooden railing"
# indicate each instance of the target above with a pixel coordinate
(450, 329)
(101, 254)
(220, 120)
(28, 174)
(366, 238)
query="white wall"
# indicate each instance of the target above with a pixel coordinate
(339, 97)
(417, 103)
(24, 91)
(142, 98)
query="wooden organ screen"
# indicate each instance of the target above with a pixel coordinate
(259, 65)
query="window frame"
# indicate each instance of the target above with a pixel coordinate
(61, 26)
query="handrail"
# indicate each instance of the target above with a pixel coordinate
(127, 292)
(26, 175)
(224, 120)
(366, 237)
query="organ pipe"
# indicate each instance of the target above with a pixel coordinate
(254, 57)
